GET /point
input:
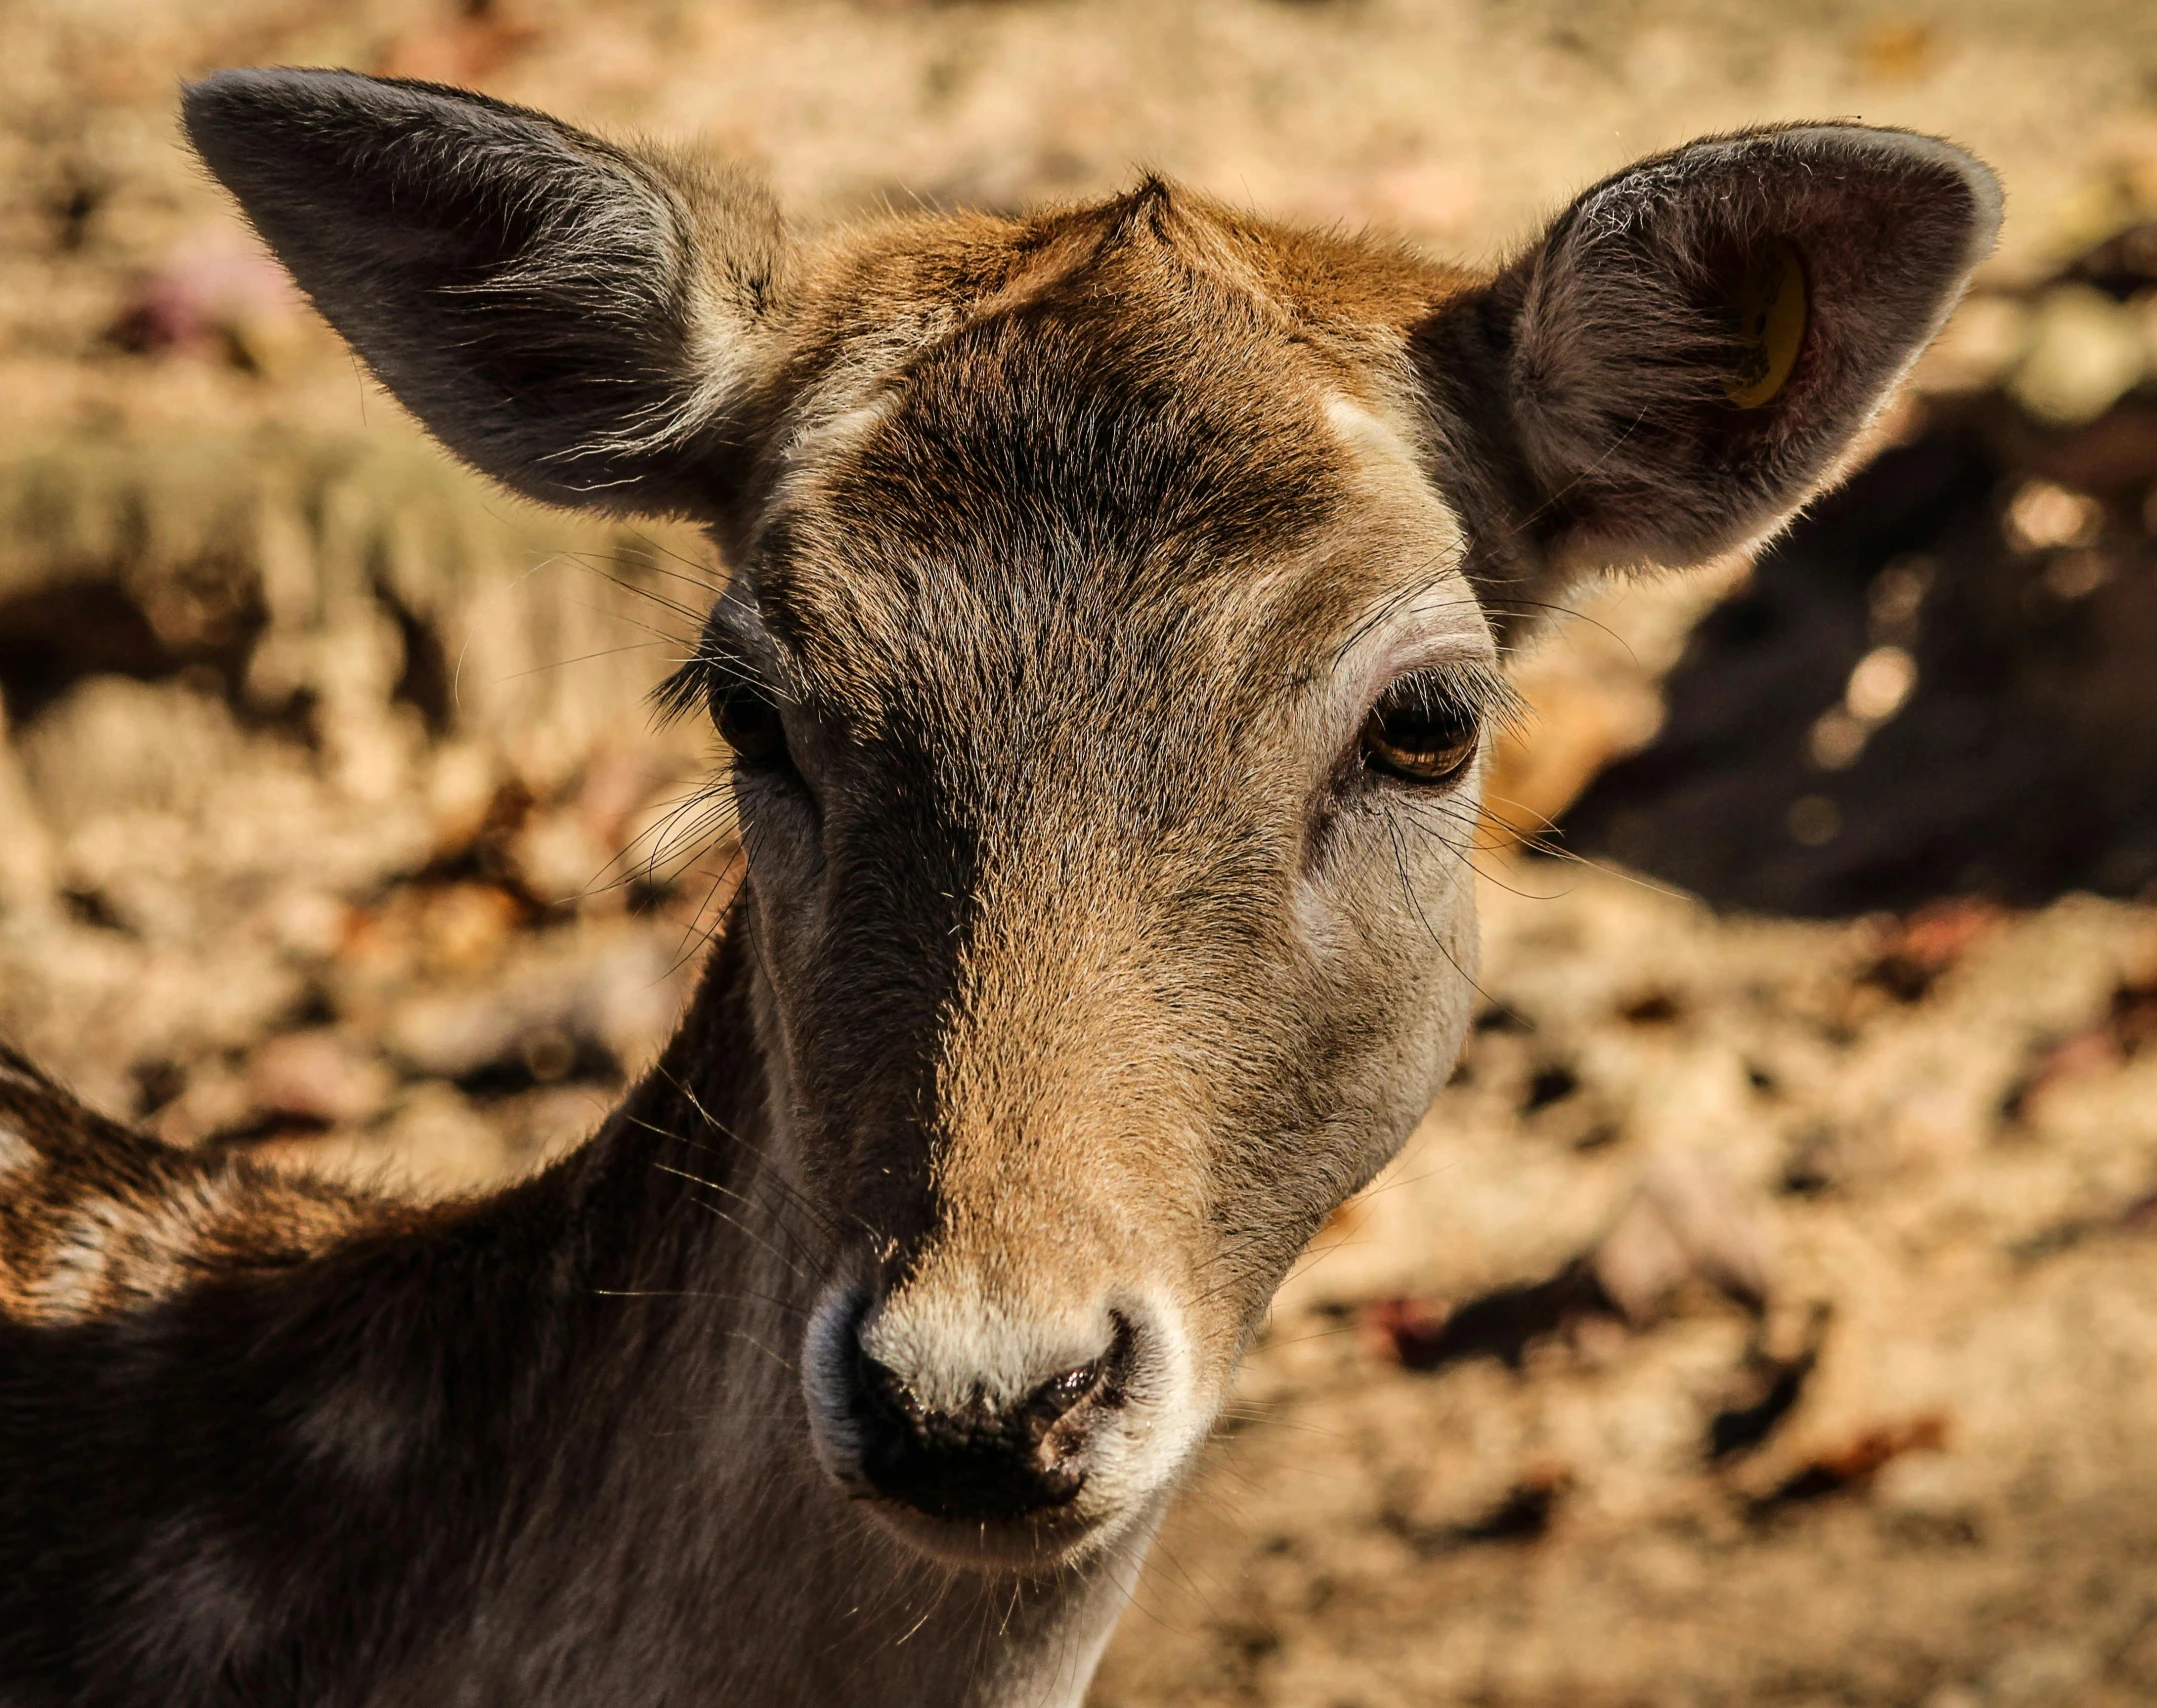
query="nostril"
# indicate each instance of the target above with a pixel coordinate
(883, 1395)
(1060, 1393)
(978, 1459)
(1098, 1378)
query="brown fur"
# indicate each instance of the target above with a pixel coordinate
(96, 1220)
(1095, 944)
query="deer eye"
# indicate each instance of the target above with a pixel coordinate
(1422, 729)
(749, 723)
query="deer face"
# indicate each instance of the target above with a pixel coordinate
(1108, 740)
(1109, 664)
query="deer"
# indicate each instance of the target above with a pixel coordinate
(1110, 647)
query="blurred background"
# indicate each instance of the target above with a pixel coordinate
(1767, 1314)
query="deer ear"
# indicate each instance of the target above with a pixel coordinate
(1691, 348)
(582, 323)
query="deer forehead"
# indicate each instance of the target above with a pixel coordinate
(1055, 503)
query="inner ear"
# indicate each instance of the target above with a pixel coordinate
(584, 322)
(1699, 339)
(1762, 304)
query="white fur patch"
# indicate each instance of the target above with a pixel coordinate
(834, 422)
(112, 1253)
(16, 1152)
(1390, 459)
(950, 1344)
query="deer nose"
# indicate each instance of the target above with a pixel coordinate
(984, 1460)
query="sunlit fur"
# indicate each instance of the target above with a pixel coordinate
(1082, 965)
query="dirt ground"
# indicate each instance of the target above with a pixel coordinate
(1768, 1313)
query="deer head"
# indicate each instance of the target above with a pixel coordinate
(1108, 664)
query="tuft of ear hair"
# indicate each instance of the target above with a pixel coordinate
(1689, 352)
(584, 323)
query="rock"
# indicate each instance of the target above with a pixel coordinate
(433, 1144)
(26, 852)
(113, 743)
(1683, 1223)
(611, 998)
(1928, 1492)
(318, 1076)
(215, 298)
(2039, 1677)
